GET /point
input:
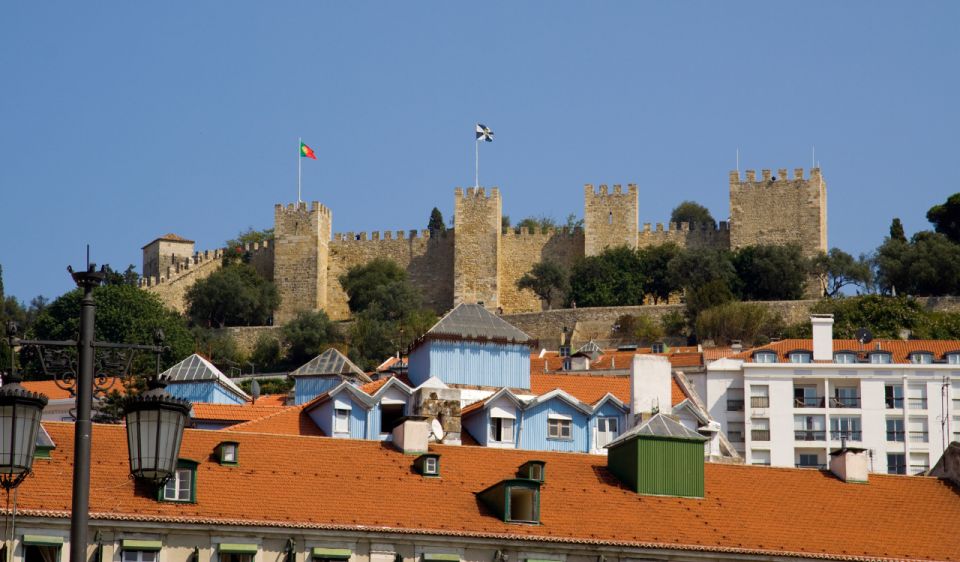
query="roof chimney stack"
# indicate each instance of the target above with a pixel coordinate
(850, 465)
(650, 385)
(822, 336)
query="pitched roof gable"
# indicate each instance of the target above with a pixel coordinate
(660, 425)
(900, 350)
(330, 362)
(195, 368)
(474, 322)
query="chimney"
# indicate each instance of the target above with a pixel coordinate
(433, 400)
(822, 336)
(650, 385)
(850, 465)
(411, 435)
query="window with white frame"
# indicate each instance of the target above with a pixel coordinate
(845, 427)
(845, 357)
(918, 430)
(341, 420)
(759, 396)
(921, 358)
(953, 358)
(139, 556)
(558, 428)
(895, 431)
(765, 357)
(919, 463)
(235, 557)
(608, 429)
(917, 396)
(800, 357)
(760, 458)
(501, 429)
(880, 357)
(180, 487)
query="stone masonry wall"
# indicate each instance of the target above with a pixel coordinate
(301, 238)
(685, 235)
(610, 219)
(778, 210)
(476, 254)
(427, 259)
(521, 250)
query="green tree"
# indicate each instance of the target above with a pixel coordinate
(309, 335)
(128, 276)
(573, 222)
(537, 224)
(219, 347)
(250, 236)
(768, 272)
(372, 340)
(381, 286)
(436, 221)
(927, 265)
(546, 279)
(708, 295)
(697, 267)
(125, 314)
(693, 213)
(642, 328)
(884, 316)
(267, 353)
(234, 295)
(505, 222)
(615, 277)
(896, 231)
(743, 321)
(656, 265)
(838, 269)
(268, 386)
(945, 218)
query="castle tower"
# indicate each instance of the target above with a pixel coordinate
(476, 255)
(779, 210)
(610, 219)
(301, 256)
(164, 252)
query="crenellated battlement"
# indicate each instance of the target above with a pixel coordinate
(379, 236)
(302, 207)
(476, 193)
(604, 191)
(767, 177)
(525, 232)
(705, 227)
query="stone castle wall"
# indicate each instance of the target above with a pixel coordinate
(476, 254)
(520, 250)
(610, 219)
(301, 251)
(685, 235)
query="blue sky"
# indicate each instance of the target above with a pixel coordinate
(123, 121)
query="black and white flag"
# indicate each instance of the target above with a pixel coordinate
(484, 133)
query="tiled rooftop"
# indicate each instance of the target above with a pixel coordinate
(474, 322)
(311, 482)
(233, 412)
(54, 392)
(900, 349)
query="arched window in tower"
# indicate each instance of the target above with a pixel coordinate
(610, 217)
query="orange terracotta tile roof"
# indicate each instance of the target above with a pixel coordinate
(714, 353)
(620, 360)
(272, 400)
(54, 392)
(373, 387)
(233, 412)
(318, 485)
(292, 420)
(170, 237)
(591, 388)
(900, 349)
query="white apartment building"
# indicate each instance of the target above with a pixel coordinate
(793, 402)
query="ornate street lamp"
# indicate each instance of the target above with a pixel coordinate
(19, 423)
(155, 422)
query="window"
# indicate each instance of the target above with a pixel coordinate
(806, 397)
(501, 430)
(800, 357)
(229, 452)
(390, 415)
(608, 429)
(845, 427)
(765, 357)
(523, 504)
(921, 358)
(735, 400)
(760, 458)
(564, 351)
(41, 548)
(341, 420)
(919, 463)
(918, 430)
(896, 463)
(237, 552)
(532, 470)
(893, 395)
(759, 396)
(809, 428)
(657, 347)
(735, 432)
(559, 429)
(139, 555)
(808, 460)
(845, 397)
(880, 357)
(760, 430)
(845, 357)
(917, 396)
(895, 430)
(235, 557)
(430, 465)
(321, 554)
(953, 358)
(567, 364)
(182, 486)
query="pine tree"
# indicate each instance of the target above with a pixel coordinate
(896, 231)
(436, 221)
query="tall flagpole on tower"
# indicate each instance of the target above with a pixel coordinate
(476, 146)
(299, 166)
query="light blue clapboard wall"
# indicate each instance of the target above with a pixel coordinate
(471, 362)
(323, 416)
(306, 389)
(533, 435)
(202, 391)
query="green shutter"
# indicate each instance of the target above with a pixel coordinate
(431, 557)
(131, 544)
(337, 553)
(238, 548)
(42, 540)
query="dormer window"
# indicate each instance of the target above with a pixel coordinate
(953, 358)
(765, 357)
(229, 452)
(845, 357)
(880, 357)
(532, 470)
(428, 464)
(921, 358)
(658, 347)
(514, 501)
(800, 357)
(182, 486)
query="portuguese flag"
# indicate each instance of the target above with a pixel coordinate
(306, 151)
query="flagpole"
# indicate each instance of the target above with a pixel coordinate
(476, 180)
(299, 166)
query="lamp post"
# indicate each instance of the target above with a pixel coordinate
(155, 420)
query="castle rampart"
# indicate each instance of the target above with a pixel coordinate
(610, 219)
(685, 235)
(476, 256)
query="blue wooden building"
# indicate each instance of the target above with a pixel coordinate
(198, 380)
(349, 412)
(322, 373)
(472, 346)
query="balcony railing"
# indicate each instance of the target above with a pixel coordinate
(810, 434)
(895, 436)
(845, 402)
(918, 436)
(734, 405)
(894, 402)
(804, 465)
(808, 402)
(735, 436)
(760, 434)
(759, 401)
(849, 435)
(917, 403)
(919, 468)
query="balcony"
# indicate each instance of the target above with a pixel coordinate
(845, 402)
(808, 402)
(893, 402)
(734, 405)
(918, 436)
(760, 434)
(917, 403)
(919, 468)
(849, 435)
(810, 434)
(895, 436)
(735, 436)
(759, 401)
(805, 465)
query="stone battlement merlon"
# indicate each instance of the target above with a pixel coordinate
(525, 232)
(476, 192)
(722, 226)
(766, 176)
(314, 207)
(379, 236)
(603, 190)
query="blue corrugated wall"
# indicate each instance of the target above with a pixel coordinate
(471, 362)
(477, 426)
(608, 410)
(323, 416)
(202, 391)
(306, 389)
(534, 434)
